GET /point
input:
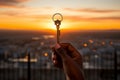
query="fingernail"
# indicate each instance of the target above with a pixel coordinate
(57, 46)
(54, 61)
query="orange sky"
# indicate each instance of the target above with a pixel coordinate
(29, 15)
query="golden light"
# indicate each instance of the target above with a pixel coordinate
(64, 25)
(91, 41)
(51, 25)
(103, 43)
(45, 54)
(111, 43)
(85, 44)
(26, 57)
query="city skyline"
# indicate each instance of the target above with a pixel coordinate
(78, 15)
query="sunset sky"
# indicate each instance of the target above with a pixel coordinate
(77, 14)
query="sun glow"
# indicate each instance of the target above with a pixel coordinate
(37, 15)
(51, 25)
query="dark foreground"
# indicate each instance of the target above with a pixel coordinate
(54, 74)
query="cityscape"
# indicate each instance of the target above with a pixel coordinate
(97, 51)
(30, 28)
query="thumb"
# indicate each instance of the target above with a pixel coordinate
(57, 46)
(60, 50)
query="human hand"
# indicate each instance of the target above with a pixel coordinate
(63, 50)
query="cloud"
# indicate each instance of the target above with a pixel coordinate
(37, 17)
(31, 14)
(91, 10)
(41, 13)
(91, 14)
(27, 12)
(106, 18)
(11, 3)
(90, 19)
(10, 13)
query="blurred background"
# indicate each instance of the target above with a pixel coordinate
(27, 55)
(27, 34)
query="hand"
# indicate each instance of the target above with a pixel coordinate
(69, 59)
(67, 50)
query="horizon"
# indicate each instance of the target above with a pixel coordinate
(53, 32)
(77, 15)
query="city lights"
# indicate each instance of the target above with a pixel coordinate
(45, 54)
